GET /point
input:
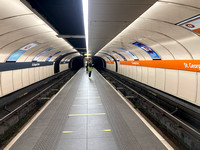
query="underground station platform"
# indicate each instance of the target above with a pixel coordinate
(87, 114)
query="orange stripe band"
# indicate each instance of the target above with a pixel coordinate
(188, 65)
(109, 62)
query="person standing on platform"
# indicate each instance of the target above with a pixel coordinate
(90, 68)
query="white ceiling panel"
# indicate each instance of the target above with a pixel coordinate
(19, 22)
(157, 29)
(170, 12)
(10, 8)
(166, 33)
(109, 18)
(191, 3)
(23, 33)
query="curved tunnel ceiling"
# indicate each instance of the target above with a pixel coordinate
(157, 28)
(20, 27)
(106, 19)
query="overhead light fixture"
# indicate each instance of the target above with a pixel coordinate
(85, 16)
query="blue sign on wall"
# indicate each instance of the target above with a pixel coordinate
(120, 55)
(42, 53)
(147, 49)
(130, 53)
(22, 50)
(52, 55)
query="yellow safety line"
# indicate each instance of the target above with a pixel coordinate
(99, 104)
(87, 114)
(107, 130)
(94, 97)
(81, 97)
(67, 131)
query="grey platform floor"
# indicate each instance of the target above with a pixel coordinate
(88, 115)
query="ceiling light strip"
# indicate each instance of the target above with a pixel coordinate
(85, 16)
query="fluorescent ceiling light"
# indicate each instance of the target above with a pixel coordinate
(85, 16)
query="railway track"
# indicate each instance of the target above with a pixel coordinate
(15, 114)
(179, 118)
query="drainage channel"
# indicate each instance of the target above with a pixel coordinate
(14, 115)
(174, 116)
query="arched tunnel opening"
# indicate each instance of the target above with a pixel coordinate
(58, 60)
(98, 63)
(76, 63)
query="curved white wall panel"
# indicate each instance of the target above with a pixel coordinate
(0, 85)
(37, 74)
(151, 76)
(139, 73)
(187, 85)
(31, 75)
(170, 12)
(7, 82)
(171, 82)
(17, 79)
(198, 89)
(12, 8)
(144, 75)
(25, 77)
(19, 22)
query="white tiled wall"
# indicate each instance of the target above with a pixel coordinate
(183, 84)
(171, 82)
(17, 79)
(160, 79)
(151, 77)
(0, 85)
(63, 67)
(139, 74)
(37, 74)
(144, 75)
(25, 77)
(198, 89)
(13, 80)
(6, 82)
(187, 88)
(31, 75)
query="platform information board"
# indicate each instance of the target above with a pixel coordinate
(192, 24)
(147, 49)
(22, 50)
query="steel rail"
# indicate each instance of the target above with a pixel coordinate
(9, 115)
(160, 109)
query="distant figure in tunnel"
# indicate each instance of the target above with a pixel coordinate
(90, 68)
(86, 66)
